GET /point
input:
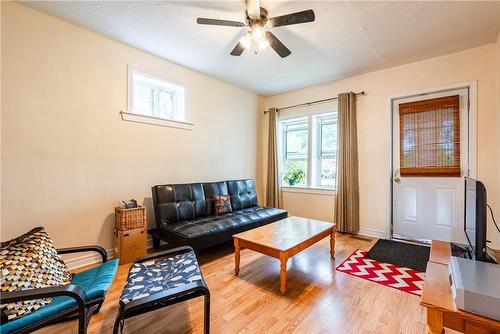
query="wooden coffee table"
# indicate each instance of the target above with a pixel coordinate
(283, 239)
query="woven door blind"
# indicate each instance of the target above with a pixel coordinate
(429, 137)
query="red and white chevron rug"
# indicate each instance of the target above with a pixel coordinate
(404, 279)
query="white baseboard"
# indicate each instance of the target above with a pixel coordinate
(373, 233)
(93, 258)
(86, 260)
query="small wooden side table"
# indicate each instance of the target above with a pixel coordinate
(438, 300)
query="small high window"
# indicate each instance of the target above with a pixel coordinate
(156, 97)
(157, 101)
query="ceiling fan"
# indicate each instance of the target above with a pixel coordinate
(258, 22)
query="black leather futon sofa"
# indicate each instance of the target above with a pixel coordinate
(184, 213)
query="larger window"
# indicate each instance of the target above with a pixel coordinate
(308, 150)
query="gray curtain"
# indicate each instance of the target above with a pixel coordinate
(347, 201)
(273, 190)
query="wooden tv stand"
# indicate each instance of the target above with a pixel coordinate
(438, 300)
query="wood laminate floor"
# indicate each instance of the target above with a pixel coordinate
(318, 299)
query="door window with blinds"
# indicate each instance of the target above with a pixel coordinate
(430, 137)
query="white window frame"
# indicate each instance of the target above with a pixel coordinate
(283, 132)
(179, 93)
(313, 152)
(324, 119)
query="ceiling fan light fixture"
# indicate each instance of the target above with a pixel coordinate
(258, 26)
(263, 43)
(246, 41)
(257, 33)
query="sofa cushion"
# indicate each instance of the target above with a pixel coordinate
(30, 262)
(176, 202)
(228, 222)
(243, 194)
(95, 282)
(211, 190)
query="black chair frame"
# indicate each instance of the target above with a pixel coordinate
(167, 297)
(83, 310)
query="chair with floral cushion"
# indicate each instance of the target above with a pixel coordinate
(81, 298)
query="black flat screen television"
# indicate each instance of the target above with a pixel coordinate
(475, 218)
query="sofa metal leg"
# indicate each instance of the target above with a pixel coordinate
(207, 314)
(155, 235)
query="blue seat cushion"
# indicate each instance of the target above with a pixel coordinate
(95, 282)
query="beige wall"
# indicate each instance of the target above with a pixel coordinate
(497, 213)
(1, 167)
(68, 158)
(374, 125)
(311, 205)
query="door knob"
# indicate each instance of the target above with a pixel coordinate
(396, 176)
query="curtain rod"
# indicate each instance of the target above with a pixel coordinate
(307, 104)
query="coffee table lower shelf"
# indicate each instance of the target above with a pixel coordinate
(282, 240)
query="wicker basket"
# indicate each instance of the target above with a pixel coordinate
(130, 219)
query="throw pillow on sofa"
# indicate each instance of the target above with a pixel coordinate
(29, 262)
(222, 204)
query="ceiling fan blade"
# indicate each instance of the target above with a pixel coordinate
(295, 18)
(216, 22)
(238, 50)
(276, 44)
(253, 9)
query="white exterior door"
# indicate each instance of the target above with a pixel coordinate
(431, 206)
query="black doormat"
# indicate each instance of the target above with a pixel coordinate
(400, 254)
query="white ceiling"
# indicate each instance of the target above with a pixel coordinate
(347, 37)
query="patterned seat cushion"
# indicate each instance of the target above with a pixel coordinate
(147, 278)
(29, 262)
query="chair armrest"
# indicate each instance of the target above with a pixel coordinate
(72, 291)
(79, 249)
(178, 250)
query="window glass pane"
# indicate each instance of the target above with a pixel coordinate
(157, 97)
(328, 172)
(296, 125)
(295, 172)
(143, 99)
(165, 104)
(328, 138)
(296, 141)
(430, 137)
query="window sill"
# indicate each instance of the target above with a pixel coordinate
(133, 117)
(306, 190)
